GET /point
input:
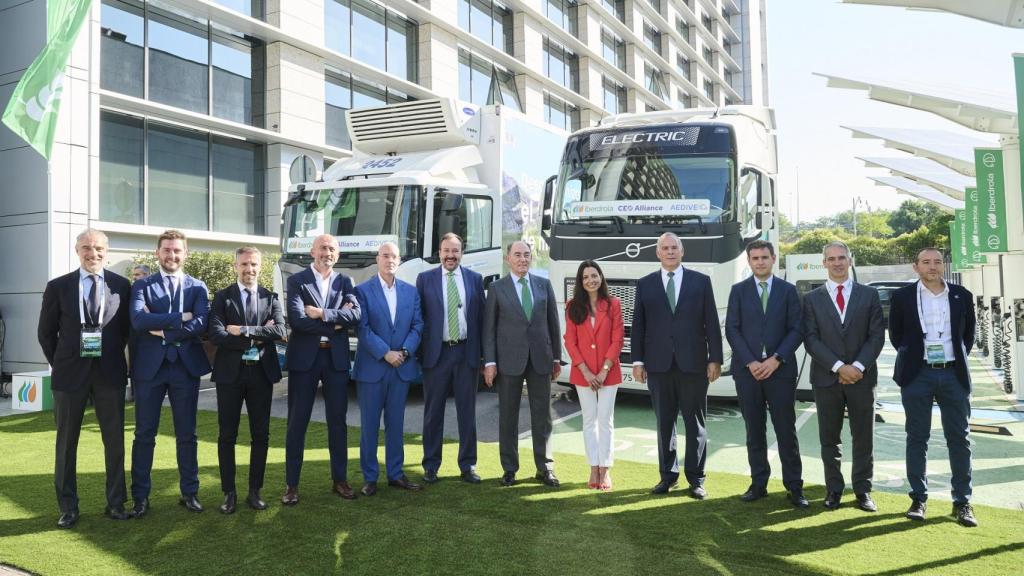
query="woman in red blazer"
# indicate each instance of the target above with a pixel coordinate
(593, 337)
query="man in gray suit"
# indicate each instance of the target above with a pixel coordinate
(521, 311)
(844, 333)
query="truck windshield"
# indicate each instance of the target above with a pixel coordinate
(361, 219)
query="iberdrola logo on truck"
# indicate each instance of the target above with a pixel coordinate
(27, 392)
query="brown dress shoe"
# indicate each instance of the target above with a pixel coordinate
(404, 483)
(369, 489)
(291, 496)
(344, 490)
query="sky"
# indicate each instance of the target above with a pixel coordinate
(817, 158)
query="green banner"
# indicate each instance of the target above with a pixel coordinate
(958, 240)
(972, 233)
(32, 111)
(1018, 73)
(988, 164)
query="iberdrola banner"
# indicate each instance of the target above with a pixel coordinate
(35, 103)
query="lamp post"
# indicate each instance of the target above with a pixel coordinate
(858, 201)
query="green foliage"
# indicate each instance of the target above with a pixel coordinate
(913, 214)
(813, 241)
(215, 269)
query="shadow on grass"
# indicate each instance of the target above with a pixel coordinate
(451, 527)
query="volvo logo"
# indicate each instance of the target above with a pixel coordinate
(633, 249)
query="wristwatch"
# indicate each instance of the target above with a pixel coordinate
(607, 365)
(778, 358)
(405, 353)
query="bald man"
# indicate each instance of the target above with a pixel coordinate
(321, 309)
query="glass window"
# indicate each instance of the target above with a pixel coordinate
(563, 13)
(653, 80)
(481, 82)
(236, 167)
(656, 4)
(561, 65)
(122, 158)
(613, 49)
(251, 8)
(338, 25)
(368, 35)
(472, 222)
(709, 89)
(401, 46)
(122, 53)
(179, 168)
(708, 55)
(480, 19)
(616, 7)
(652, 38)
(367, 94)
(234, 91)
(338, 99)
(684, 65)
(705, 19)
(614, 96)
(683, 29)
(560, 113)
(179, 62)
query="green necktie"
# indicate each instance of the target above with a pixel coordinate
(670, 290)
(527, 298)
(764, 296)
(453, 308)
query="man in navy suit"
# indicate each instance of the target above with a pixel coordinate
(83, 329)
(389, 337)
(321, 309)
(452, 298)
(763, 328)
(676, 341)
(931, 325)
(168, 313)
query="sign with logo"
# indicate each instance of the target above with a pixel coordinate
(988, 163)
(972, 227)
(367, 243)
(30, 392)
(662, 137)
(609, 208)
(958, 241)
(1018, 70)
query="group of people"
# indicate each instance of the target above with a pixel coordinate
(448, 331)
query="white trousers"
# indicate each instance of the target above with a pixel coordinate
(598, 423)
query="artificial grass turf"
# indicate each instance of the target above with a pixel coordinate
(453, 527)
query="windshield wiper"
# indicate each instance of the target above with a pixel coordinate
(602, 223)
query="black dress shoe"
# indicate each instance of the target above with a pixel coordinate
(965, 515)
(230, 500)
(191, 503)
(865, 503)
(832, 500)
(698, 492)
(254, 501)
(664, 486)
(509, 479)
(471, 477)
(917, 510)
(430, 476)
(548, 478)
(797, 498)
(67, 519)
(141, 508)
(754, 493)
(404, 483)
(369, 489)
(291, 496)
(116, 513)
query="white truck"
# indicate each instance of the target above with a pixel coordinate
(421, 169)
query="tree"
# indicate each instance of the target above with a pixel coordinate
(913, 214)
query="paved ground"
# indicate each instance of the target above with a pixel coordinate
(998, 459)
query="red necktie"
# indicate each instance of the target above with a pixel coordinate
(840, 301)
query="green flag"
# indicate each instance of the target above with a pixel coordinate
(35, 103)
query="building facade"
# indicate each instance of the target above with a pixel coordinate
(199, 114)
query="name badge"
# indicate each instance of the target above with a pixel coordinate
(935, 353)
(251, 355)
(91, 344)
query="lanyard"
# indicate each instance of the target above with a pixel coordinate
(925, 321)
(101, 287)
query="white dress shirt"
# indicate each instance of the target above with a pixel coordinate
(833, 291)
(677, 280)
(178, 276)
(391, 295)
(933, 310)
(461, 286)
(245, 304)
(324, 287)
(519, 287)
(757, 283)
(85, 285)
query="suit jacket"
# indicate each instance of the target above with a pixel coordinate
(378, 335)
(227, 310)
(304, 340)
(60, 330)
(151, 351)
(777, 330)
(828, 339)
(432, 297)
(907, 337)
(537, 339)
(593, 344)
(691, 336)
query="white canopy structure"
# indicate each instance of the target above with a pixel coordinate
(926, 193)
(981, 112)
(952, 150)
(925, 171)
(1003, 12)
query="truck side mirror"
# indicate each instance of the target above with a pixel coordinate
(549, 193)
(451, 203)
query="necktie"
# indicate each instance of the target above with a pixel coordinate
(764, 296)
(171, 293)
(840, 301)
(250, 307)
(527, 298)
(453, 307)
(670, 290)
(94, 300)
